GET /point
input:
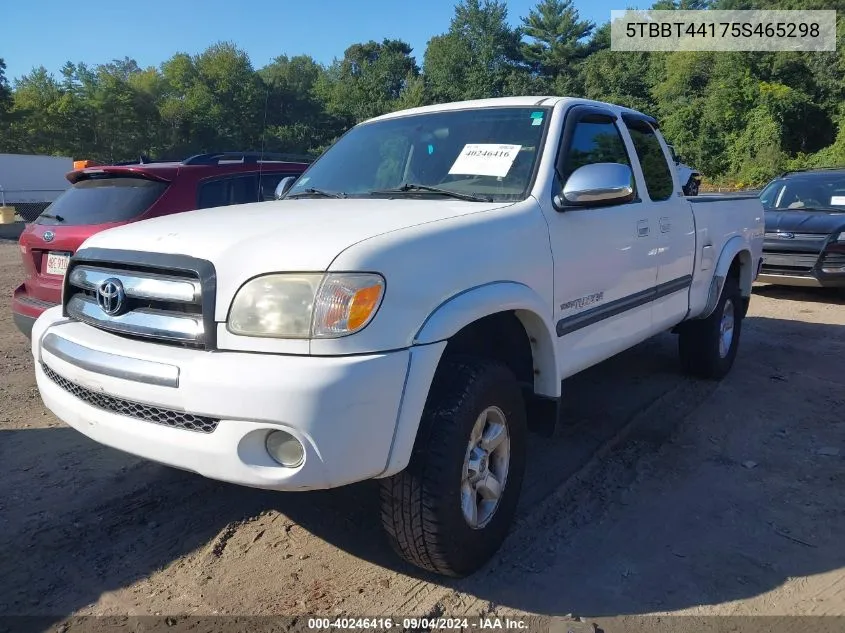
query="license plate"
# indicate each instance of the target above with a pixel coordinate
(57, 263)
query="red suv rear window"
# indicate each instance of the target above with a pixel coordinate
(101, 200)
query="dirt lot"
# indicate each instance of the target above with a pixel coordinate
(660, 495)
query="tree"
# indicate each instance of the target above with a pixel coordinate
(5, 91)
(477, 57)
(370, 80)
(36, 125)
(295, 117)
(5, 107)
(557, 41)
(623, 78)
(732, 115)
(226, 100)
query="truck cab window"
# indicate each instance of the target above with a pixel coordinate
(658, 178)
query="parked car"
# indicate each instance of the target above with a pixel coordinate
(102, 197)
(805, 229)
(689, 177)
(405, 313)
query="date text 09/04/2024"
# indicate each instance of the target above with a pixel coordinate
(412, 623)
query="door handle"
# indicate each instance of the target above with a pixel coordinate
(642, 228)
(665, 225)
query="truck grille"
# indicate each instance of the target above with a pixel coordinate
(172, 306)
(148, 413)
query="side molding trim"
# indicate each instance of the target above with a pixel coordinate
(589, 317)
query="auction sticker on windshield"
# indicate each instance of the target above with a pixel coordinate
(485, 159)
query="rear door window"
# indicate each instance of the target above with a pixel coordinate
(658, 178)
(102, 200)
(223, 192)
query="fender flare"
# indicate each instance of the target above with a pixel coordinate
(476, 303)
(736, 246)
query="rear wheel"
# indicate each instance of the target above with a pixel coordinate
(451, 508)
(708, 346)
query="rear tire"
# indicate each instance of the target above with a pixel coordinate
(427, 509)
(708, 347)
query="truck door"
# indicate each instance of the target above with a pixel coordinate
(675, 227)
(605, 268)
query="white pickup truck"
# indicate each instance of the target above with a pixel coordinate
(407, 312)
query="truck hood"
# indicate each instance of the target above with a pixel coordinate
(797, 221)
(284, 235)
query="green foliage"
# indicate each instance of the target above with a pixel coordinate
(478, 57)
(735, 116)
(5, 94)
(370, 80)
(558, 36)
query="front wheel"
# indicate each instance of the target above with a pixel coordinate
(708, 346)
(451, 508)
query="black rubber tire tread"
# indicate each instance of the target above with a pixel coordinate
(420, 506)
(698, 342)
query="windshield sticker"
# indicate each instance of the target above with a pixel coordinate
(537, 121)
(837, 200)
(485, 159)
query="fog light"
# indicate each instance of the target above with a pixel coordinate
(284, 448)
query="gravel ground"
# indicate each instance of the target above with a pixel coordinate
(660, 495)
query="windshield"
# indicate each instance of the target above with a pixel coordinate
(806, 191)
(486, 152)
(102, 200)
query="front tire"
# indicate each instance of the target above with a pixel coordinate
(451, 508)
(708, 347)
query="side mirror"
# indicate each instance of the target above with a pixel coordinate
(597, 184)
(283, 186)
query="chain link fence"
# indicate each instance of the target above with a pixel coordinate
(28, 211)
(28, 204)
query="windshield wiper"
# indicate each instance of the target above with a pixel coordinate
(410, 187)
(58, 218)
(317, 192)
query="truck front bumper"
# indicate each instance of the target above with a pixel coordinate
(210, 412)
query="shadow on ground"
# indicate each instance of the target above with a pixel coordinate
(78, 519)
(835, 296)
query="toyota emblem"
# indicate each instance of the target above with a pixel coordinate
(111, 296)
(784, 235)
(48, 236)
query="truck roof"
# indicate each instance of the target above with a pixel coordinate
(498, 102)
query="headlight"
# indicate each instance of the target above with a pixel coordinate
(294, 305)
(841, 237)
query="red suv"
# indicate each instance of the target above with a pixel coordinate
(103, 197)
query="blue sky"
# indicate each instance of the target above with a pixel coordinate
(51, 32)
